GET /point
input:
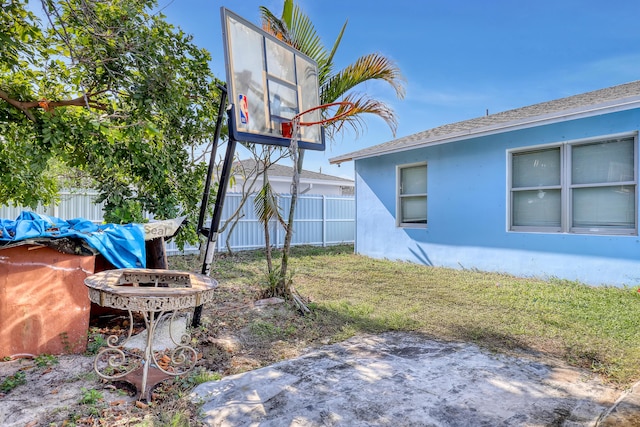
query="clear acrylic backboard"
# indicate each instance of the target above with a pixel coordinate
(268, 83)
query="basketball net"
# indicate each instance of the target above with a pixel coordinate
(293, 147)
(296, 123)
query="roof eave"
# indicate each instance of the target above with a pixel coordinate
(337, 182)
(544, 119)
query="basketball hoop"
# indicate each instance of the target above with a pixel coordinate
(287, 127)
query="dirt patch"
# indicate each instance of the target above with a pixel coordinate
(237, 335)
(62, 388)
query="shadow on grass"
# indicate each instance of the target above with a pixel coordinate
(491, 340)
(349, 320)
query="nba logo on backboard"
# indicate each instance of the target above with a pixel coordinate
(244, 109)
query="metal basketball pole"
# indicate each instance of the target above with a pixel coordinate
(212, 157)
(217, 210)
(212, 232)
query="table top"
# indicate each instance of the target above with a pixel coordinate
(128, 287)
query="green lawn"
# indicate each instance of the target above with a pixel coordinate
(593, 327)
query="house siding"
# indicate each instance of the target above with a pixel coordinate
(467, 210)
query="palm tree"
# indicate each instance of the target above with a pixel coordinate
(296, 29)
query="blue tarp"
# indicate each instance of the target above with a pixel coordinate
(122, 245)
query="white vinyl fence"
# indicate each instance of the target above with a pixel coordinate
(319, 220)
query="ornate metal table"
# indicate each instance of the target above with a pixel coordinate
(159, 296)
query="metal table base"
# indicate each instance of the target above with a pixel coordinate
(159, 296)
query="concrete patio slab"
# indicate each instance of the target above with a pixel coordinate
(401, 379)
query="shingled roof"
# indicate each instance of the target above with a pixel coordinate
(615, 98)
(280, 170)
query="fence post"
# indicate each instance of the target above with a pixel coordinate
(324, 221)
(277, 224)
(276, 229)
(55, 208)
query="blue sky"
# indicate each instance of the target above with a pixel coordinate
(460, 58)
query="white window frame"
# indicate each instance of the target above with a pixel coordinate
(566, 187)
(400, 196)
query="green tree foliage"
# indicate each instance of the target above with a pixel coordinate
(112, 90)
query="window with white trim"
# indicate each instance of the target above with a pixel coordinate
(412, 195)
(587, 186)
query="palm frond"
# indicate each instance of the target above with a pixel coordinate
(326, 71)
(336, 43)
(266, 205)
(296, 29)
(274, 25)
(287, 12)
(363, 104)
(305, 38)
(369, 67)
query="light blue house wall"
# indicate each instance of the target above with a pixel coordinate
(467, 188)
